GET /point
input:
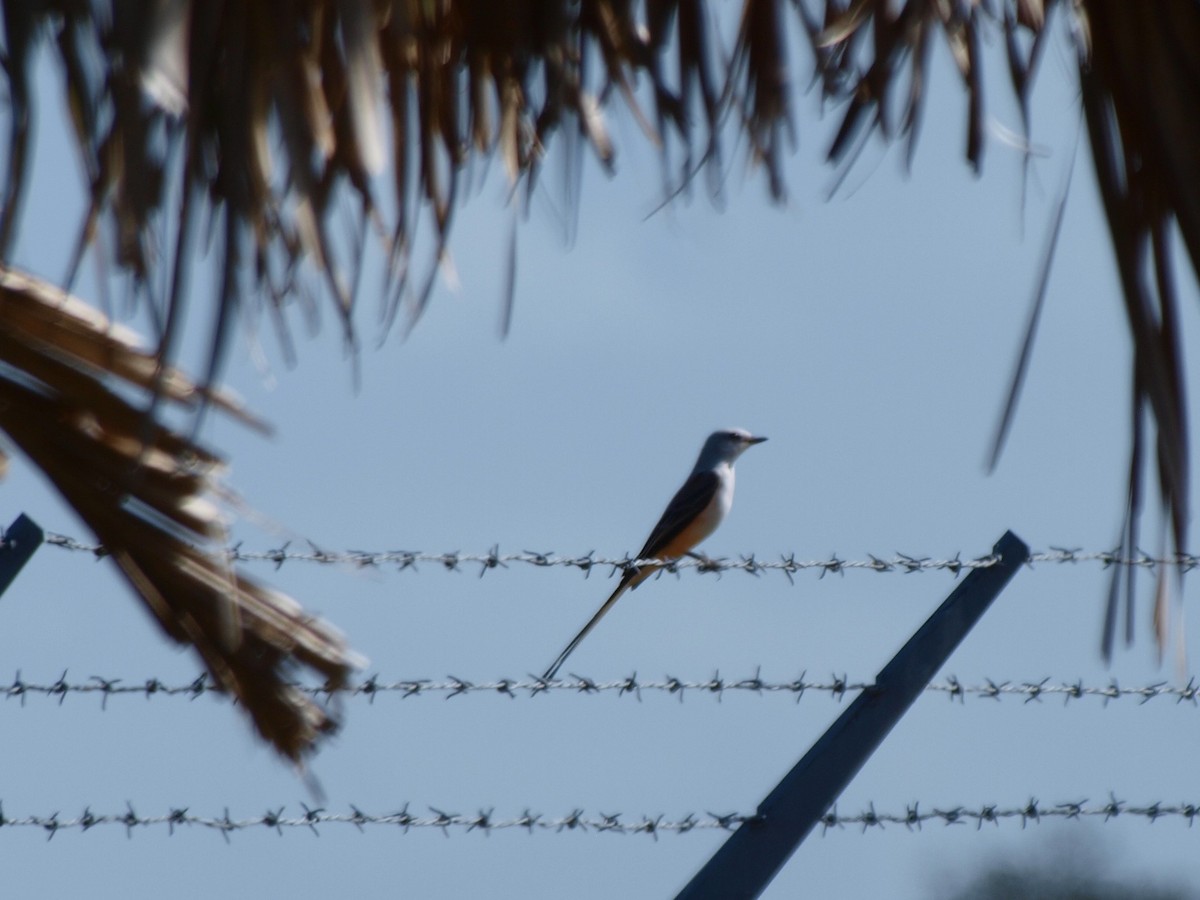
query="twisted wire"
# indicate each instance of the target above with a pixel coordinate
(633, 686)
(788, 564)
(914, 817)
(404, 560)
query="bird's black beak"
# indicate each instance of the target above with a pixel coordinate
(755, 440)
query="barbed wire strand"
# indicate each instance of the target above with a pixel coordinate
(485, 821)
(789, 565)
(836, 687)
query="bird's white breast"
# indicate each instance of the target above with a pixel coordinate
(718, 508)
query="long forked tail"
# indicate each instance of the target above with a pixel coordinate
(562, 657)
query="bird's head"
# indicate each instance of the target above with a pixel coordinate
(726, 446)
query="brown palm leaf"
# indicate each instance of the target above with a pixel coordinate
(1141, 93)
(145, 492)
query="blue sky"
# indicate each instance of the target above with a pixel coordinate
(870, 337)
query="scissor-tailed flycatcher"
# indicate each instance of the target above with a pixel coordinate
(692, 515)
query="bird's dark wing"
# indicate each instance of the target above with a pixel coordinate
(688, 503)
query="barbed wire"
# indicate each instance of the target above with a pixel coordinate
(485, 821)
(716, 685)
(788, 564)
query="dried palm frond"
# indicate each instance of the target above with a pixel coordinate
(145, 491)
(261, 118)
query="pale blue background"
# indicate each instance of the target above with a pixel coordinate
(870, 337)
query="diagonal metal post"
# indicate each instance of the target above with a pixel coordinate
(20, 541)
(754, 854)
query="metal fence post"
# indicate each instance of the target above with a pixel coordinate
(745, 864)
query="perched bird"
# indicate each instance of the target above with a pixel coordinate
(692, 515)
